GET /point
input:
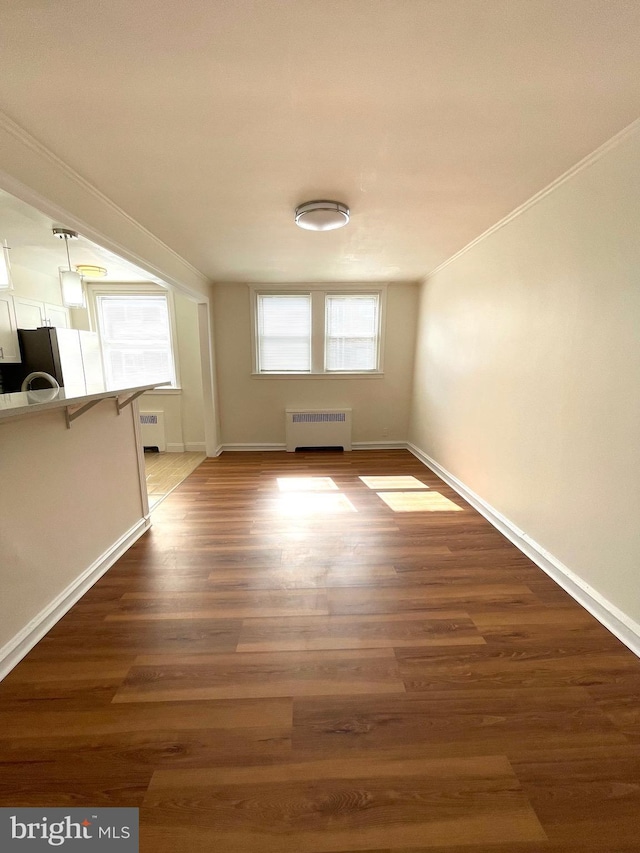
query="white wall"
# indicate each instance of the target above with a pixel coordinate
(190, 373)
(34, 284)
(527, 369)
(67, 496)
(252, 407)
(183, 412)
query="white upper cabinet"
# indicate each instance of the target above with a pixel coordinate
(18, 312)
(9, 348)
(57, 315)
(31, 314)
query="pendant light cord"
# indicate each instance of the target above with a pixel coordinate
(66, 242)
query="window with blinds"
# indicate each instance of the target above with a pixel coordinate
(136, 339)
(315, 329)
(351, 336)
(284, 333)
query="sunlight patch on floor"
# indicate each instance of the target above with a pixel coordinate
(393, 483)
(306, 484)
(418, 502)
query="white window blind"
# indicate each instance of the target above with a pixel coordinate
(284, 333)
(351, 339)
(136, 339)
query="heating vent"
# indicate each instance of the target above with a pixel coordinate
(318, 428)
(319, 417)
(152, 429)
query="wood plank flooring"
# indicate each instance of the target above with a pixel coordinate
(316, 653)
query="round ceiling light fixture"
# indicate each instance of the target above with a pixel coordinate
(90, 270)
(322, 215)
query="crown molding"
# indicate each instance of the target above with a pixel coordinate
(31, 196)
(580, 166)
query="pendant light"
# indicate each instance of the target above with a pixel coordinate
(70, 280)
(6, 282)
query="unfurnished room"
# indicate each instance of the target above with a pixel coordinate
(319, 426)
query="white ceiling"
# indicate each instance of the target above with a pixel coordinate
(209, 120)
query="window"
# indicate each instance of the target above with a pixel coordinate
(351, 339)
(135, 333)
(284, 333)
(322, 330)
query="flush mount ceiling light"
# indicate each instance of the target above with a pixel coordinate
(90, 271)
(70, 280)
(322, 215)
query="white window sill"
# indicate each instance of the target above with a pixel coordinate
(169, 391)
(372, 375)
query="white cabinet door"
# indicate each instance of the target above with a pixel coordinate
(57, 315)
(29, 313)
(9, 348)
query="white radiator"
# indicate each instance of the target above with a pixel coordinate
(152, 429)
(318, 428)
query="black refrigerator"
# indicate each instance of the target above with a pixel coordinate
(71, 356)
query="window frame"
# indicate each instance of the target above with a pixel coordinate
(318, 294)
(97, 289)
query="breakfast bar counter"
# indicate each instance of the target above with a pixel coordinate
(73, 499)
(73, 399)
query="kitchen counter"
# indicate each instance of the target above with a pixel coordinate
(32, 402)
(72, 501)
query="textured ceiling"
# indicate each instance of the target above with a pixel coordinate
(209, 120)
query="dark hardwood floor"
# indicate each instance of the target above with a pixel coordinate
(274, 670)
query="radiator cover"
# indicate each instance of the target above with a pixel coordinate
(152, 429)
(318, 428)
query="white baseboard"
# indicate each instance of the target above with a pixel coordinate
(195, 446)
(379, 445)
(626, 629)
(249, 447)
(175, 447)
(357, 445)
(216, 452)
(12, 652)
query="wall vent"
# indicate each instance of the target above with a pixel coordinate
(152, 429)
(318, 428)
(319, 417)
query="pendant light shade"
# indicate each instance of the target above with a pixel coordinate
(72, 293)
(70, 281)
(6, 282)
